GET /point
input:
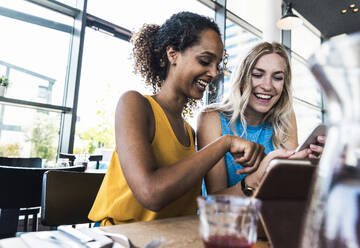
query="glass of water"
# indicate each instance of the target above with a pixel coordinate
(63, 162)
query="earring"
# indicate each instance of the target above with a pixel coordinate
(173, 63)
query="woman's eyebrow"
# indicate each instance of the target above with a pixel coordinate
(259, 69)
(262, 70)
(278, 72)
(209, 54)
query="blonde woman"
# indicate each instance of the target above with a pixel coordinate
(259, 109)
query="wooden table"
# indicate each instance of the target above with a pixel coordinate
(177, 232)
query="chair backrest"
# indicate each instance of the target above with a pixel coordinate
(21, 162)
(71, 157)
(67, 197)
(96, 158)
(20, 187)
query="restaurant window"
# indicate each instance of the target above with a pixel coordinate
(246, 9)
(305, 39)
(304, 84)
(307, 118)
(308, 100)
(36, 68)
(238, 43)
(130, 15)
(34, 56)
(27, 132)
(307, 96)
(106, 74)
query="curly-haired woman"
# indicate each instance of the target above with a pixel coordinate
(154, 171)
(258, 108)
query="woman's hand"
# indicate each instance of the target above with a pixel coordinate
(253, 179)
(246, 153)
(313, 152)
(317, 149)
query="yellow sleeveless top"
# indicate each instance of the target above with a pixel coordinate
(115, 202)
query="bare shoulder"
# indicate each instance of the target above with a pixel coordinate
(209, 117)
(208, 125)
(132, 97)
(134, 102)
(134, 112)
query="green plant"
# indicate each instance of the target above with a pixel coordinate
(42, 134)
(10, 150)
(101, 133)
(4, 81)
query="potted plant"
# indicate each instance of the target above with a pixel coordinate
(4, 83)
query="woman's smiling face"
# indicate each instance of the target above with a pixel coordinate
(267, 79)
(197, 66)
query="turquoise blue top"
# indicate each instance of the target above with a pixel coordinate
(261, 134)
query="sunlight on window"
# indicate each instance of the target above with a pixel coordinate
(133, 14)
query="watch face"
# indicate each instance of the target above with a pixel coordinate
(248, 191)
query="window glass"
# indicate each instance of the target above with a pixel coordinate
(106, 74)
(133, 14)
(238, 43)
(71, 3)
(245, 9)
(35, 134)
(35, 60)
(305, 86)
(307, 118)
(304, 41)
(36, 10)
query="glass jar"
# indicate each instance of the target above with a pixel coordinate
(333, 217)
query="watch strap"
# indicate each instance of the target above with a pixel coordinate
(247, 190)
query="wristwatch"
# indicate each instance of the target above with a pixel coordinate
(246, 189)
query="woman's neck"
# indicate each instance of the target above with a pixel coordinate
(170, 102)
(253, 118)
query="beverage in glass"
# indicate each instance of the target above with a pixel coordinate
(228, 221)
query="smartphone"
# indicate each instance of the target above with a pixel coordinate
(320, 130)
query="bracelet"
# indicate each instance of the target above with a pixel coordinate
(247, 190)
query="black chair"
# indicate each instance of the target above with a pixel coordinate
(21, 162)
(71, 157)
(20, 187)
(96, 158)
(67, 197)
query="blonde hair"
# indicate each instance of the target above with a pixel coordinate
(235, 104)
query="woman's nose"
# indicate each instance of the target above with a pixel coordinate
(213, 71)
(267, 83)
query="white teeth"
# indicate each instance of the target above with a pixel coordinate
(202, 83)
(266, 97)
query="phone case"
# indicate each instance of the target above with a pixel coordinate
(283, 191)
(319, 130)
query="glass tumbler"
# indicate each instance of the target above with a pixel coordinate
(228, 221)
(62, 162)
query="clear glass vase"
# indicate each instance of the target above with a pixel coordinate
(333, 217)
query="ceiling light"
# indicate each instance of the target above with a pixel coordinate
(289, 20)
(356, 10)
(352, 5)
(344, 11)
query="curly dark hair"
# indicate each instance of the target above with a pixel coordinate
(180, 31)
